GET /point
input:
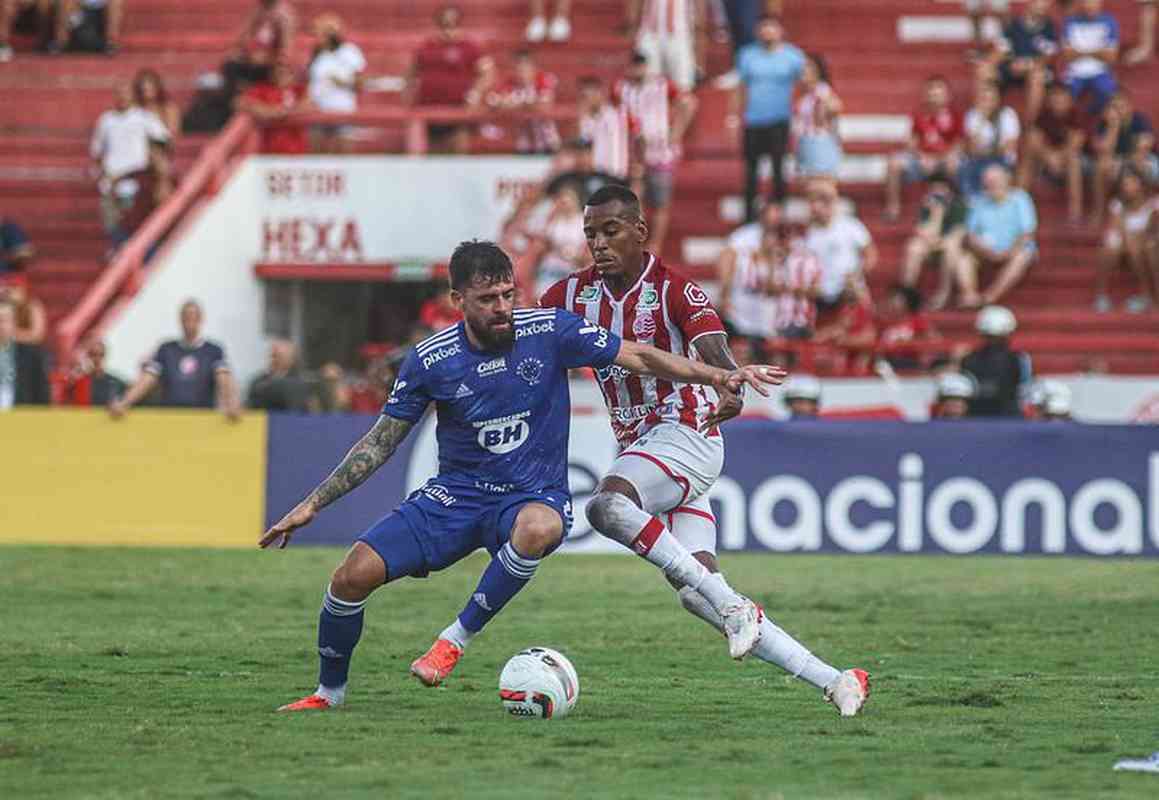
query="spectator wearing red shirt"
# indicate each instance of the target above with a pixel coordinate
(439, 312)
(528, 89)
(264, 40)
(935, 144)
(1054, 146)
(903, 322)
(854, 330)
(88, 384)
(270, 103)
(449, 69)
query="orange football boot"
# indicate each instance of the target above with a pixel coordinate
(437, 663)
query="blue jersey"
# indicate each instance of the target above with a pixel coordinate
(503, 416)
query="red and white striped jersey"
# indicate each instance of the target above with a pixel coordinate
(608, 131)
(662, 309)
(668, 17)
(799, 271)
(649, 107)
(752, 311)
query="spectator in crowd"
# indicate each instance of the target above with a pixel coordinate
(539, 28)
(999, 372)
(565, 247)
(332, 395)
(1132, 238)
(954, 393)
(1054, 146)
(745, 270)
(88, 384)
(939, 234)
(992, 132)
(191, 372)
(1050, 401)
(769, 69)
(1000, 230)
(265, 39)
(31, 318)
(448, 68)
(89, 26)
(815, 121)
(1122, 137)
(271, 103)
(659, 113)
(975, 9)
(9, 11)
(439, 312)
(840, 242)
(1145, 50)
(143, 191)
(149, 94)
(120, 146)
(1090, 46)
(606, 126)
(528, 89)
(16, 250)
(23, 380)
(742, 17)
(577, 170)
(281, 387)
(665, 34)
(903, 323)
(796, 282)
(1023, 54)
(854, 331)
(335, 70)
(935, 144)
(802, 397)
(369, 392)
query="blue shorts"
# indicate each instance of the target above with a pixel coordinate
(446, 521)
(1102, 88)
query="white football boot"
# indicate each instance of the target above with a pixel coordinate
(742, 626)
(849, 691)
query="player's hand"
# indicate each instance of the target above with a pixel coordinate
(302, 514)
(116, 409)
(728, 406)
(232, 413)
(758, 376)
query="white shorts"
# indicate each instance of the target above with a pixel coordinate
(672, 468)
(670, 56)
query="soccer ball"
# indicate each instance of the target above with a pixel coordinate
(538, 682)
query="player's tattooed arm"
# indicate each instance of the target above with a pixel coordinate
(370, 453)
(713, 349)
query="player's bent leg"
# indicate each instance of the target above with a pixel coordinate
(340, 624)
(535, 530)
(615, 511)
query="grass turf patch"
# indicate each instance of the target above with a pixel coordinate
(154, 673)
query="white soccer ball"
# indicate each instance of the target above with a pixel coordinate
(538, 682)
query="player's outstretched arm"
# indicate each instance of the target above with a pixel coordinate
(647, 360)
(370, 453)
(713, 350)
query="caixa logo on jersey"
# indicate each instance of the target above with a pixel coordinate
(505, 434)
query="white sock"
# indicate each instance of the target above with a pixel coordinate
(775, 645)
(335, 696)
(457, 635)
(618, 518)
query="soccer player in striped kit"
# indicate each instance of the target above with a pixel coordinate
(671, 449)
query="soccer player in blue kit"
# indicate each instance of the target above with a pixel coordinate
(499, 383)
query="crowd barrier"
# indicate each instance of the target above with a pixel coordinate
(191, 478)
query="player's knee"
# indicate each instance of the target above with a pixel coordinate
(605, 508)
(537, 532)
(355, 578)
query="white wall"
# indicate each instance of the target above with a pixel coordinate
(213, 263)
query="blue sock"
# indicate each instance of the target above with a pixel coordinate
(507, 573)
(339, 629)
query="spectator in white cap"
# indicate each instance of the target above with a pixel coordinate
(802, 397)
(999, 371)
(955, 391)
(1051, 401)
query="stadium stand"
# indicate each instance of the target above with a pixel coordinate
(878, 55)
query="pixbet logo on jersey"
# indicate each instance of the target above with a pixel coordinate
(439, 355)
(547, 326)
(505, 434)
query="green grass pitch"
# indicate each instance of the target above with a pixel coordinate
(154, 673)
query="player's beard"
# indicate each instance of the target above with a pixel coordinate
(493, 339)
